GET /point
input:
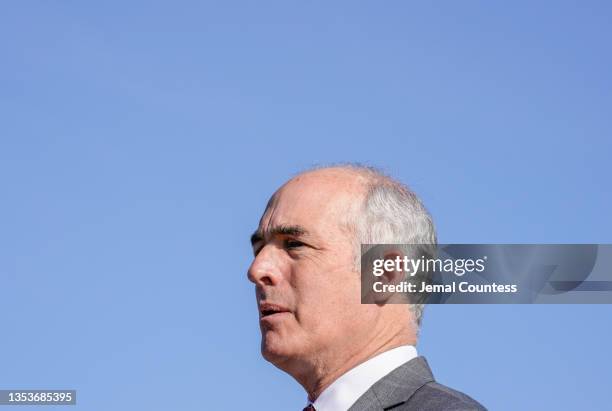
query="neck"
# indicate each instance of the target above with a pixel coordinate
(325, 371)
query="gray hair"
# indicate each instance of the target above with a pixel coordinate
(390, 213)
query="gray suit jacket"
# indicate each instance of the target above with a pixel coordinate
(411, 387)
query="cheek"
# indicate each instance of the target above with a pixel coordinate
(340, 309)
(326, 293)
(330, 315)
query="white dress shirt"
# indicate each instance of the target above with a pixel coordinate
(347, 389)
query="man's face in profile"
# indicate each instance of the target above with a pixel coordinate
(307, 287)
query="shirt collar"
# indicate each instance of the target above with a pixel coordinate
(347, 389)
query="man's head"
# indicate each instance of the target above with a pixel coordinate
(306, 266)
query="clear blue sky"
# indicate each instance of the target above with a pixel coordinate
(139, 142)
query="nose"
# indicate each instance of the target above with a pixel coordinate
(266, 267)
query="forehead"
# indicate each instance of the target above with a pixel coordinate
(318, 201)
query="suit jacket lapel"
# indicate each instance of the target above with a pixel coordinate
(396, 387)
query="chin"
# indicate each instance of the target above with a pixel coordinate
(277, 350)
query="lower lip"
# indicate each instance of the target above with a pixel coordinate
(274, 317)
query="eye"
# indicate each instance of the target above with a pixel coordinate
(256, 249)
(293, 244)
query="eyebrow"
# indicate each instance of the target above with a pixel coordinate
(292, 230)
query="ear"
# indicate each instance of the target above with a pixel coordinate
(396, 274)
(393, 275)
